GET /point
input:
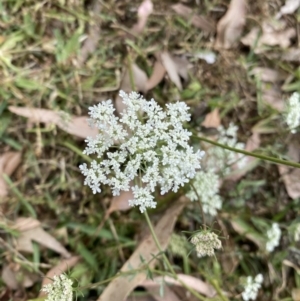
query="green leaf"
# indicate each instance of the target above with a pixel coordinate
(87, 256)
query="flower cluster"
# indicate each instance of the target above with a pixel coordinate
(205, 242)
(206, 185)
(292, 117)
(146, 145)
(60, 289)
(220, 159)
(273, 235)
(178, 245)
(251, 287)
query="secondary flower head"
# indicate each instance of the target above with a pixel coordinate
(219, 159)
(60, 289)
(251, 287)
(178, 245)
(146, 145)
(293, 112)
(273, 235)
(205, 242)
(206, 185)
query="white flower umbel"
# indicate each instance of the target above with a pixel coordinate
(205, 242)
(292, 116)
(146, 145)
(220, 159)
(273, 236)
(60, 289)
(206, 185)
(251, 287)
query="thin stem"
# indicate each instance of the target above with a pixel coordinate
(259, 156)
(167, 262)
(217, 288)
(120, 274)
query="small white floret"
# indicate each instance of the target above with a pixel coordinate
(273, 236)
(252, 287)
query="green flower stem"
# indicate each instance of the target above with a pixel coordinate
(251, 154)
(167, 262)
(215, 284)
(120, 274)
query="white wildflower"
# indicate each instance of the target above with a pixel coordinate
(292, 116)
(251, 287)
(205, 242)
(60, 289)
(146, 145)
(273, 235)
(206, 185)
(220, 159)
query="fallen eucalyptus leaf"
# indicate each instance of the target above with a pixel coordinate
(120, 287)
(77, 126)
(231, 26)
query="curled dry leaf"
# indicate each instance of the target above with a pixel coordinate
(243, 228)
(291, 55)
(63, 266)
(140, 79)
(120, 287)
(192, 282)
(252, 144)
(8, 276)
(182, 66)
(201, 22)
(272, 35)
(231, 26)
(272, 95)
(118, 203)
(212, 119)
(157, 75)
(25, 223)
(172, 68)
(39, 235)
(267, 74)
(144, 11)
(16, 277)
(154, 289)
(77, 126)
(9, 161)
(296, 294)
(290, 175)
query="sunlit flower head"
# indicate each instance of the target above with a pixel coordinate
(205, 242)
(60, 289)
(206, 185)
(146, 145)
(273, 236)
(251, 287)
